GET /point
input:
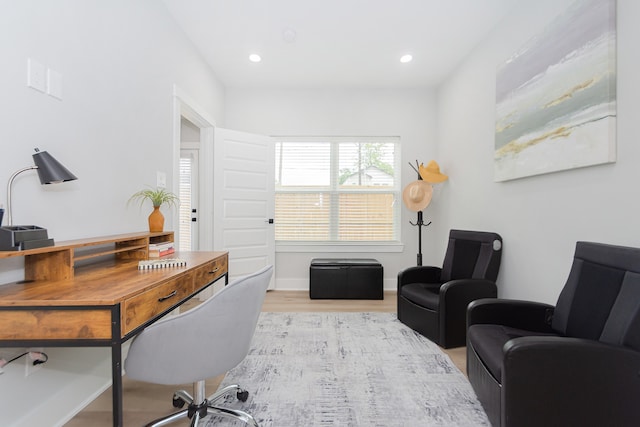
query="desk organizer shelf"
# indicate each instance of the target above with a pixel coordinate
(59, 261)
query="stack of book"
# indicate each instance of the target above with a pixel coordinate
(156, 250)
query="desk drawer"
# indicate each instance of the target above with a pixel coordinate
(55, 324)
(141, 308)
(209, 272)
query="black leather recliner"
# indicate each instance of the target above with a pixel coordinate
(575, 364)
(433, 301)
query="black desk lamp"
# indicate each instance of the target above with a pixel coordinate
(13, 238)
(50, 171)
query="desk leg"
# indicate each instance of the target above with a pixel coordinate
(116, 368)
(116, 383)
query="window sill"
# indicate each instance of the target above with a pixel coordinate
(341, 248)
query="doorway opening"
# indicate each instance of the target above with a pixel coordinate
(188, 234)
(193, 173)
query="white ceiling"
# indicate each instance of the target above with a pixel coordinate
(338, 43)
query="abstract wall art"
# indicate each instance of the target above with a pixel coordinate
(556, 96)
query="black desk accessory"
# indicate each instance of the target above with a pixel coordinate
(21, 237)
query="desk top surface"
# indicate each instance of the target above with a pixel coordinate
(103, 283)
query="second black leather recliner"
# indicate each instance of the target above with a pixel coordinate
(433, 301)
(573, 364)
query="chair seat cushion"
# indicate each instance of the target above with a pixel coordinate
(423, 294)
(489, 340)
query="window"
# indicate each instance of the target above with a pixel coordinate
(337, 190)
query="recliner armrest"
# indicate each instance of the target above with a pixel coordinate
(419, 274)
(467, 285)
(569, 381)
(529, 315)
(454, 298)
(461, 292)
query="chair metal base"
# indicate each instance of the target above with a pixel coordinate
(199, 407)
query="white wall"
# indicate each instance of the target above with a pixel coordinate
(119, 61)
(113, 129)
(542, 217)
(409, 114)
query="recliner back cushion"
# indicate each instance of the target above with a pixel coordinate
(460, 260)
(471, 255)
(623, 324)
(601, 299)
(586, 300)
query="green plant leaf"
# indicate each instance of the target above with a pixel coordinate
(157, 197)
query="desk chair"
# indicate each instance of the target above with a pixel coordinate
(201, 343)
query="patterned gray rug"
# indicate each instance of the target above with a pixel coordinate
(349, 369)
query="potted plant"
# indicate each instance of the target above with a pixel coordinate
(158, 197)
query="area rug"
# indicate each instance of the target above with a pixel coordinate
(349, 369)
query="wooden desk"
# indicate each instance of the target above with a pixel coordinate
(102, 305)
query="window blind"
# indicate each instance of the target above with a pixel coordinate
(337, 189)
(186, 168)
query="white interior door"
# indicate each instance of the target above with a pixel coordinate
(244, 200)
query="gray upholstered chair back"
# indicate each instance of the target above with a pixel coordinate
(203, 342)
(601, 299)
(472, 255)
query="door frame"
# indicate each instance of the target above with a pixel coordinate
(185, 106)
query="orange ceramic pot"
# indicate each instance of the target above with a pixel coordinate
(156, 220)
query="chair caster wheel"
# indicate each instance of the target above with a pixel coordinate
(242, 396)
(178, 403)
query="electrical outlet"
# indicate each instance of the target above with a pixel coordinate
(36, 75)
(161, 179)
(54, 84)
(29, 367)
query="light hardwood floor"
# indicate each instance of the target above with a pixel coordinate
(144, 402)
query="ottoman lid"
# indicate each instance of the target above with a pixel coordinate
(344, 261)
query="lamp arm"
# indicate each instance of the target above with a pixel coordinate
(9, 185)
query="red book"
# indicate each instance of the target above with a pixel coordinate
(160, 253)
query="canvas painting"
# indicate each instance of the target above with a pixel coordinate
(556, 96)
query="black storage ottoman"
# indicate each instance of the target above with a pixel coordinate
(342, 278)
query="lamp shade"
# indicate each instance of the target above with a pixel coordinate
(50, 170)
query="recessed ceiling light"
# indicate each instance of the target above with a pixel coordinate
(406, 58)
(254, 57)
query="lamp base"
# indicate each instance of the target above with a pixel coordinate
(21, 237)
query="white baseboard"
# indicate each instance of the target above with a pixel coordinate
(302, 284)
